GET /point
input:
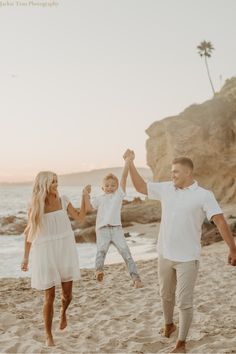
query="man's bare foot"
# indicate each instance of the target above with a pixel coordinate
(168, 330)
(50, 341)
(63, 321)
(138, 284)
(180, 347)
(99, 276)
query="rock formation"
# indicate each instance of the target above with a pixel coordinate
(207, 134)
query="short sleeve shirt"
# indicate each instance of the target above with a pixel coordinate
(183, 213)
(108, 208)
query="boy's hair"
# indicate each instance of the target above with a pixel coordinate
(111, 176)
(185, 161)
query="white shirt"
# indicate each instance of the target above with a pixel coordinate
(108, 207)
(183, 213)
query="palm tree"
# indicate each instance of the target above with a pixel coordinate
(204, 49)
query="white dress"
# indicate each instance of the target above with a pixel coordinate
(54, 254)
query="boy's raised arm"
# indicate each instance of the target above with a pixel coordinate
(125, 174)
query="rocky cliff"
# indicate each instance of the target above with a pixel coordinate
(207, 134)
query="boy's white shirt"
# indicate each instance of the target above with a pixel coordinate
(108, 208)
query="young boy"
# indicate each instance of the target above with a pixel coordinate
(108, 223)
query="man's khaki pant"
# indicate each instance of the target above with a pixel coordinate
(177, 280)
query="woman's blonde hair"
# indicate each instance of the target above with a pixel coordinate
(41, 188)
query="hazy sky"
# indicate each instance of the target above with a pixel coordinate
(80, 81)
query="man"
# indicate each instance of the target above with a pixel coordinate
(184, 208)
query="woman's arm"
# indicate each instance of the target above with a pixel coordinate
(85, 206)
(75, 214)
(88, 205)
(25, 261)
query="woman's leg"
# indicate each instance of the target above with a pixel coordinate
(49, 296)
(66, 297)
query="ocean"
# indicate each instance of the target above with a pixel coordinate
(14, 200)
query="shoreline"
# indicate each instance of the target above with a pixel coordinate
(141, 240)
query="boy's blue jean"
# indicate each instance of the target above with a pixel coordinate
(114, 234)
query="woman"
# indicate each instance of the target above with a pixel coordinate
(54, 255)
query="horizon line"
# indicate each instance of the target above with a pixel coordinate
(71, 173)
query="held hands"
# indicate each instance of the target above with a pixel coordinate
(87, 190)
(25, 265)
(129, 155)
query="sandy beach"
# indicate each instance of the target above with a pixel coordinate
(113, 317)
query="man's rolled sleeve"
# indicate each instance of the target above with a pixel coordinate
(211, 206)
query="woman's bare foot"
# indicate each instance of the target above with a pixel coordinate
(50, 341)
(180, 347)
(168, 330)
(63, 321)
(99, 276)
(138, 284)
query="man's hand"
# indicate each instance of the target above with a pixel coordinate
(226, 234)
(232, 258)
(129, 155)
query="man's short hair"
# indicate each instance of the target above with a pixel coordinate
(111, 176)
(185, 161)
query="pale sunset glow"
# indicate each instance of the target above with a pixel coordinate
(81, 81)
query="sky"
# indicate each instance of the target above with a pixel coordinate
(81, 80)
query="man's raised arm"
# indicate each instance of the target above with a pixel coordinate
(139, 184)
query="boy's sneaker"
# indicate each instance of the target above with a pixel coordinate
(138, 284)
(99, 276)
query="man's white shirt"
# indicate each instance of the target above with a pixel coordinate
(183, 213)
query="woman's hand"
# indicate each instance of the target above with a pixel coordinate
(25, 265)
